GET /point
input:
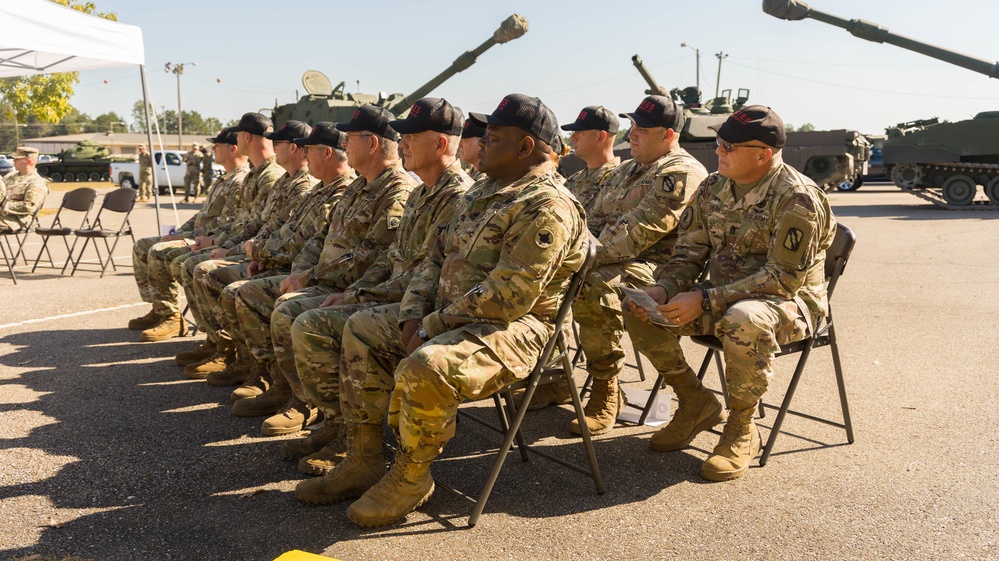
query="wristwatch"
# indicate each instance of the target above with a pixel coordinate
(422, 333)
(705, 302)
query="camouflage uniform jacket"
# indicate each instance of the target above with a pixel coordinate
(427, 214)
(636, 213)
(206, 163)
(211, 215)
(145, 165)
(361, 227)
(3, 190)
(586, 183)
(770, 244)
(25, 195)
(508, 252)
(256, 189)
(289, 193)
(310, 219)
(193, 162)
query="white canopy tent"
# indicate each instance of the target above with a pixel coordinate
(42, 37)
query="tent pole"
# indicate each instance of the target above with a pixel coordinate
(149, 139)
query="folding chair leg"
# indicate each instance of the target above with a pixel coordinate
(641, 369)
(110, 255)
(660, 385)
(6, 260)
(503, 406)
(785, 405)
(841, 384)
(45, 249)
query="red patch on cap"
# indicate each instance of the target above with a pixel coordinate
(356, 113)
(582, 115)
(741, 117)
(466, 125)
(646, 106)
(502, 104)
(415, 110)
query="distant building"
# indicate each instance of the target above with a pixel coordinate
(120, 143)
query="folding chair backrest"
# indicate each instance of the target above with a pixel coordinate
(120, 200)
(79, 200)
(838, 254)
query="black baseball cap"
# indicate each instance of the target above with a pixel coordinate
(254, 123)
(471, 130)
(373, 119)
(324, 133)
(290, 130)
(430, 114)
(594, 118)
(755, 122)
(657, 111)
(225, 136)
(524, 112)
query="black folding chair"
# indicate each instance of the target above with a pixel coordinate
(118, 201)
(549, 368)
(825, 336)
(77, 200)
(20, 236)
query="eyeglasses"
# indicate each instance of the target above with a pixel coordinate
(728, 147)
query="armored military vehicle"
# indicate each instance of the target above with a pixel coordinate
(87, 161)
(942, 162)
(324, 102)
(835, 158)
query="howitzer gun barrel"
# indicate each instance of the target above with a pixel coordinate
(792, 10)
(512, 28)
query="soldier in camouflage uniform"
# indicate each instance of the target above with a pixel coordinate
(593, 135)
(250, 216)
(192, 177)
(145, 174)
(207, 172)
(479, 310)
(635, 218)
(151, 257)
(361, 227)
(327, 163)
(429, 144)
(25, 191)
(468, 148)
(762, 229)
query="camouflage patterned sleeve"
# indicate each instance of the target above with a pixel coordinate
(263, 186)
(379, 236)
(804, 228)
(34, 198)
(228, 199)
(693, 247)
(309, 256)
(656, 215)
(418, 300)
(297, 194)
(533, 248)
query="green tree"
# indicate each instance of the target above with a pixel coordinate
(43, 98)
(807, 127)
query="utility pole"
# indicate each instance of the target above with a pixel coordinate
(178, 69)
(697, 55)
(720, 56)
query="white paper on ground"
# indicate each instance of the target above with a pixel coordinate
(660, 412)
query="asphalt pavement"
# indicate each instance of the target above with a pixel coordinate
(107, 452)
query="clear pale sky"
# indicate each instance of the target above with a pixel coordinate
(250, 53)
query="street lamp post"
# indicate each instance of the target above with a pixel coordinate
(697, 55)
(178, 69)
(720, 56)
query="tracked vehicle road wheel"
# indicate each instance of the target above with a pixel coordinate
(907, 176)
(959, 190)
(992, 190)
(850, 185)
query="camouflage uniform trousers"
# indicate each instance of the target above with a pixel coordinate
(316, 337)
(419, 398)
(224, 284)
(186, 267)
(206, 181)
(256, 303)
(151, 258)
(204, 287)
(751, 332)
(146, 184)
(192, 181)
(140, 253)
(598, 311)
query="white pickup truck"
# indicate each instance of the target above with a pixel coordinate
(126, 174)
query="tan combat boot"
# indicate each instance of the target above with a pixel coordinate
(144, 322)
(606, 400)
(363, 467)
(739, 444)
(331, 432)
(403, 489)
(267, 403)
(323, 461)
(169, 327)
(555, 393)
(198, 354)
(698, 411)
(257, 383)
(292, 418)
